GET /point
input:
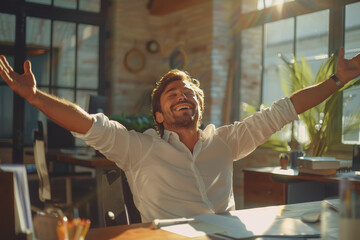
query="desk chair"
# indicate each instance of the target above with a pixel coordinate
(48, 194)
(130, 214)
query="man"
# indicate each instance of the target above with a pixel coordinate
(185, 171)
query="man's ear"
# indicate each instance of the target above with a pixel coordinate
(159, 117)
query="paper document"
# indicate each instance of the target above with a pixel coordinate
(22, 206)
(242, 227)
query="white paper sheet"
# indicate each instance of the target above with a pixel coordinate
(240, 227)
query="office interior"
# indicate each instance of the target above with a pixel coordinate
(120, 48)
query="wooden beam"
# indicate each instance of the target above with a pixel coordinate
(163, 7)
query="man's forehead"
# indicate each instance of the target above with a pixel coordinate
(176, 85)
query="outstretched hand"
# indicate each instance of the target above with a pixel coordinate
(24, 84)
(347, 69)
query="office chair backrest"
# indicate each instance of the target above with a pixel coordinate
(40, 162)
(132, 213)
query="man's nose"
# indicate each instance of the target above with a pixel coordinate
(182, 96)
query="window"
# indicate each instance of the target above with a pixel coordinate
(277, 41)
(7, 42)
(252, 5)
(65, 51)
(352, 29)
(301, 33)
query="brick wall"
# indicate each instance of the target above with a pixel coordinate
(132, 26)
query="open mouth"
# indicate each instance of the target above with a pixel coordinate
(183, 107)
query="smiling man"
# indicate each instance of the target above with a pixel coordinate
(178, 170)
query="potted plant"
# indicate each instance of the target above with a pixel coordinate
(137, 123)
(323, 121)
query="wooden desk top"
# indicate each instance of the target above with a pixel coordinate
(79, 159)
(135, 232)
(293, 174)
(144, 230)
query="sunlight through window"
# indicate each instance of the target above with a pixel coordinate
(269, 3)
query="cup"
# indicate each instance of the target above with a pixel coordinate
(293, 158)
(329, 221)
(349, 221)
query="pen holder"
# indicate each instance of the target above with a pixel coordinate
(45, 223)
(51, 224)
(349, 221)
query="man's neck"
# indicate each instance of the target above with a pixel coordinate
(188, 136)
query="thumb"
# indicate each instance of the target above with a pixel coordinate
(27, 66)
(341, 53)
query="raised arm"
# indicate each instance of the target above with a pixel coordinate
(346, 70)
(63, 112)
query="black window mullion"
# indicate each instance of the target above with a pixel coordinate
(19, 102)
(76, 58)
(262, 62)
(295, 35)
(51, 56)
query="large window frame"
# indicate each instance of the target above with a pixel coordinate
(23, 9)
(259, 18)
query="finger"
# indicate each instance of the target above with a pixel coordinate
(341, 53)
(5, 64)
(2, 64)
(5, 76)
(27, 66)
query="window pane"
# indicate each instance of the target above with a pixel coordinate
(7, 29)
(277, 41)
(253, 5)
(270, 3)
(88, 56)
(6, 106)
(32, 115)
(352, 30)
(81, 97)
(312, 38)
(64, 93)
(6, 113)
(46, 2)
(90, 5)
(65, 3)
(38, 48)
(251, 61)
(63, 62)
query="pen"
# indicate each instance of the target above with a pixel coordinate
(158, 223)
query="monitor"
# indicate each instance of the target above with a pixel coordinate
(356, 158)
(58, 137)
(96, 104)
(350, 116)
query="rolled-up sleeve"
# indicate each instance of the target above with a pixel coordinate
(108, 136)
(245, 136)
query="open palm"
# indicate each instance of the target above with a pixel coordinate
(22, 84)
(347, 69)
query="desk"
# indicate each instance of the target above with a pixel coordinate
(273, 186)
(144, 230)
(101, 166)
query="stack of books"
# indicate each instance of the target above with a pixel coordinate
(321, 165)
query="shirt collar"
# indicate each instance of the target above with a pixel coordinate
(168, 134)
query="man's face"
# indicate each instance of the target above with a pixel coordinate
(179, 106)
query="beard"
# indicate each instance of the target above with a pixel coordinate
(185, 120)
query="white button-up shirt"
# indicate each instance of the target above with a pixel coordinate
(166, 179)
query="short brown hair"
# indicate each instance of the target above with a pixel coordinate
(171, 76)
